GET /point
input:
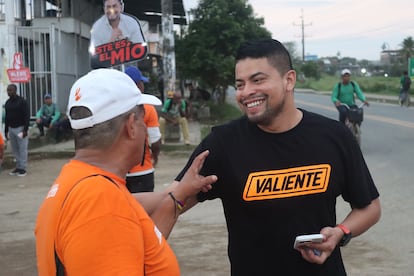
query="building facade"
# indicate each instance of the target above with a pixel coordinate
(53, 37)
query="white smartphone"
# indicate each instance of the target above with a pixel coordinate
(304, 239)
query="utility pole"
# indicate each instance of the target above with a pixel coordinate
(302, 24)
(168, 53)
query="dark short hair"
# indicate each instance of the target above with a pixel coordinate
(120, 1)
(277, 55)
(13, 85)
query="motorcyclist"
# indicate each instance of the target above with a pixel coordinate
(343, 93)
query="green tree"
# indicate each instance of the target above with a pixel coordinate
(311, 70)
(407, 50)
(205, 53)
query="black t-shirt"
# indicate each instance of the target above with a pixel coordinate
(277, 186)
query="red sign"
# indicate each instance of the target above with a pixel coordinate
(18, 73)
(118, 52)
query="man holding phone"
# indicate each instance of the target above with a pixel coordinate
(280, 170)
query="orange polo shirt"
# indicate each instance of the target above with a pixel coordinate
(150, 120)
(98, 228)
(1, 140)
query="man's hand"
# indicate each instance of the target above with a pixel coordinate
(332, 237)
(192, 182)
(366, 103)
(337, 103)
(38, 121)
(154, 160)
(116, 34)
(171, 120)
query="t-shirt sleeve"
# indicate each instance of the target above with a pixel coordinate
(360, 188)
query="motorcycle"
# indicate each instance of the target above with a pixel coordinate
(354, 118)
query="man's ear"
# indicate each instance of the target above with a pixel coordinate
(290, 78)
(130, 125)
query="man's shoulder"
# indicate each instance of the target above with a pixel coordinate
(99, 21)
(231, 126)
(317, 121)
(150, 112)
(21, 99)
(129, 19)
(318, 118)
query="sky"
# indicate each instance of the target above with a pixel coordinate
(353, 28)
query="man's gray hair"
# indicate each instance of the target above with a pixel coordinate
(99, 136)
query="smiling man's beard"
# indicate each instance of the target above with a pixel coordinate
(267, 117)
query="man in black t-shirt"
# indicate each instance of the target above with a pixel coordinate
(280, 170)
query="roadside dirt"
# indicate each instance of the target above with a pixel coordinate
(199, 238)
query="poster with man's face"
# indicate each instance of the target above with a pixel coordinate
(116, 37)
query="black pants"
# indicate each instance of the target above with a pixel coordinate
(44, 122)
(142, 183)
(61, 127)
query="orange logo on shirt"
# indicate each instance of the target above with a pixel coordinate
(77, 94)
(286, 183)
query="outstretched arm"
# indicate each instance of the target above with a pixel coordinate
(164, 208)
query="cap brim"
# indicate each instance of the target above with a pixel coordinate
(149, 99)
(144, 79)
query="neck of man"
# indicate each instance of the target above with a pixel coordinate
(103, 159)
(287, 120)
(115, 22)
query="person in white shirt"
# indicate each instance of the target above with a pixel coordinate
(115, 25)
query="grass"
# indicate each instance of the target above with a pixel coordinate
(377, 84)
(219, 114)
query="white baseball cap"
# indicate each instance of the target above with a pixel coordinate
(345, 71)
(107, 93)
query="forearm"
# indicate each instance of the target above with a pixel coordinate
(163, 209)
(166, 215)
(170, 206)
(55, 118)
(150, 200)
(155, 150)
(360, 220)
(334, 96)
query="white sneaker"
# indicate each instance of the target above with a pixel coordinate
(14, 172)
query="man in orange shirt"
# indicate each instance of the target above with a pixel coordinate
(89, 223)
(141, 177)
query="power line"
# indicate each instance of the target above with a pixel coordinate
(302, 25)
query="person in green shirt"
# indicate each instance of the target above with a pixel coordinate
(343, 93)
(175, 111)
(405, 82)
(48, 115)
